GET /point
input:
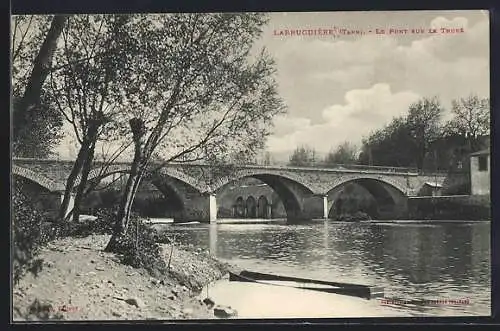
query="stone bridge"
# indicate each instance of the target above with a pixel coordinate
(305, 192)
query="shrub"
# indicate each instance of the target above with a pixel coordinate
(102, 223)
(30, 233)
(357, 216)
(139, 248)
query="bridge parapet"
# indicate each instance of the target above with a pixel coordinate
(206, 178)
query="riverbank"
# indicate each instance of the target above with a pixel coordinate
(79, 281)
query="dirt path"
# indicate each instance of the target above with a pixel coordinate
(81, 282)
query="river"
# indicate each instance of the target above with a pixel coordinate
(410, 260)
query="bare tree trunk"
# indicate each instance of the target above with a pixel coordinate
(70, 182)
(83, 180)
(41, 69)
(133, 181)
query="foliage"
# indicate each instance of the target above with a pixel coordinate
(38, 129)
(391, 145)
(139, 248)
(85, 89)
(41, 311)
(346, 153)
(303, 156)
(471, 120)
(423, 121)
(196, 91)
(102, 223)
(419, 139)
(28, 34)
(30, 233)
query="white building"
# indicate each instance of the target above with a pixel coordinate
(480, 172)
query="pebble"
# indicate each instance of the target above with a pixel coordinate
(135, 302)
(209, 302)
(224, 312)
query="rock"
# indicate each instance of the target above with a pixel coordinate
(154, 281)
(92, 261)
(224, 312)
(91, 273)
(175, 292)
(209, 302)
(184, 288)
(171, 297)
(135, 302)
(115, 313)
(100, 268)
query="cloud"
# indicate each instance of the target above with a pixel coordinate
(363, 111)
(317, 72)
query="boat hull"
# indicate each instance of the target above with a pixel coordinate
(361, 291)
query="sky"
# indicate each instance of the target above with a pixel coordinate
(340, 87)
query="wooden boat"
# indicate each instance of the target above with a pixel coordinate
(361, 291)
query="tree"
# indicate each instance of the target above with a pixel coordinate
(85, 89)
(391, 145)
(35, 126)
(424, 123)
(346, 153)
(195, 93)
(302, 156)
(471, 120)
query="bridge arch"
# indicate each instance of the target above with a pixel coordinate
(389, 195)
(290, 189)
(37, 178)
(251, 206)
(170, 172)
(262, 207)
(176, 187)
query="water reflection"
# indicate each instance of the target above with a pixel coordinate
(411, 261)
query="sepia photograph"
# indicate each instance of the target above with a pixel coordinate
(250, 165)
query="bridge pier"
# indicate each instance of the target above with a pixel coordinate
(201, 208)
(325, 207)
(315, 206)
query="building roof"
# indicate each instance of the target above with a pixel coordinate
(481, 152)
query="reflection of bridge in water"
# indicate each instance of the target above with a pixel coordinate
(195, 190)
